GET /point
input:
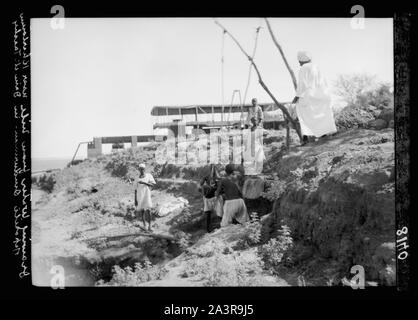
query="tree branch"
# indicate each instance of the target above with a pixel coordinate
(260, 80)
(292, 74)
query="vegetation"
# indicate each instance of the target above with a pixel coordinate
(219, 265)
(252, 232)
(46, 182)
(99, 189)
(272, 252)
(125, 164)
(353, 116)
(366, 100)
(274, 190)
(182, 240)
(140, 273)
(353, 87)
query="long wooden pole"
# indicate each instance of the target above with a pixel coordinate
(260, 80)
(292, 74)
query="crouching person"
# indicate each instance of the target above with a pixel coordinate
(234, 205)
(143, 202)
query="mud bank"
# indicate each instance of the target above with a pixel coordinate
(338, 199)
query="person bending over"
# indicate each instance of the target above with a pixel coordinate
(234, 205)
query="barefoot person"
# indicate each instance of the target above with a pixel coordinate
(313, 100)
(234, 206)
(143, 202)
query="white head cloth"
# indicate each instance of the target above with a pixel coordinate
(142, 165)
(304, 56)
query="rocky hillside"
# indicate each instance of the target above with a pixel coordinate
(327, 206)
(338, 198)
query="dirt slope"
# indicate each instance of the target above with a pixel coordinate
(336, 196)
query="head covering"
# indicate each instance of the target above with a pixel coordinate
(304, 56)
(229, 168)
(142, 165)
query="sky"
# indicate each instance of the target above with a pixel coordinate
(101, 77)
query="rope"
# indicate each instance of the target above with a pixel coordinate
(222, 71)
(232, 102)
(249, 72)
(242, 102)
(251, 66)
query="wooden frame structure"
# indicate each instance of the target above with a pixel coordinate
(272, 113)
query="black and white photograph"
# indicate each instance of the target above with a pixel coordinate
(210, 151)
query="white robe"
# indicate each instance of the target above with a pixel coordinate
(143, 192)
(314, 106)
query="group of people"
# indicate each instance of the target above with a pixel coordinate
(223, 195)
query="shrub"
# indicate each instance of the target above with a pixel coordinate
(365, 100)
(353, 87)
(182, 240)
(46, 182)
(125, 164)
(140, 273)
(252, 232)
(275, 190)
(272, 252)
(381, 97)
(220, 269)
(353, 116)
(220, 273)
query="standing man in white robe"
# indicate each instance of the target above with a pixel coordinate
(143, 202)
(313, 100)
